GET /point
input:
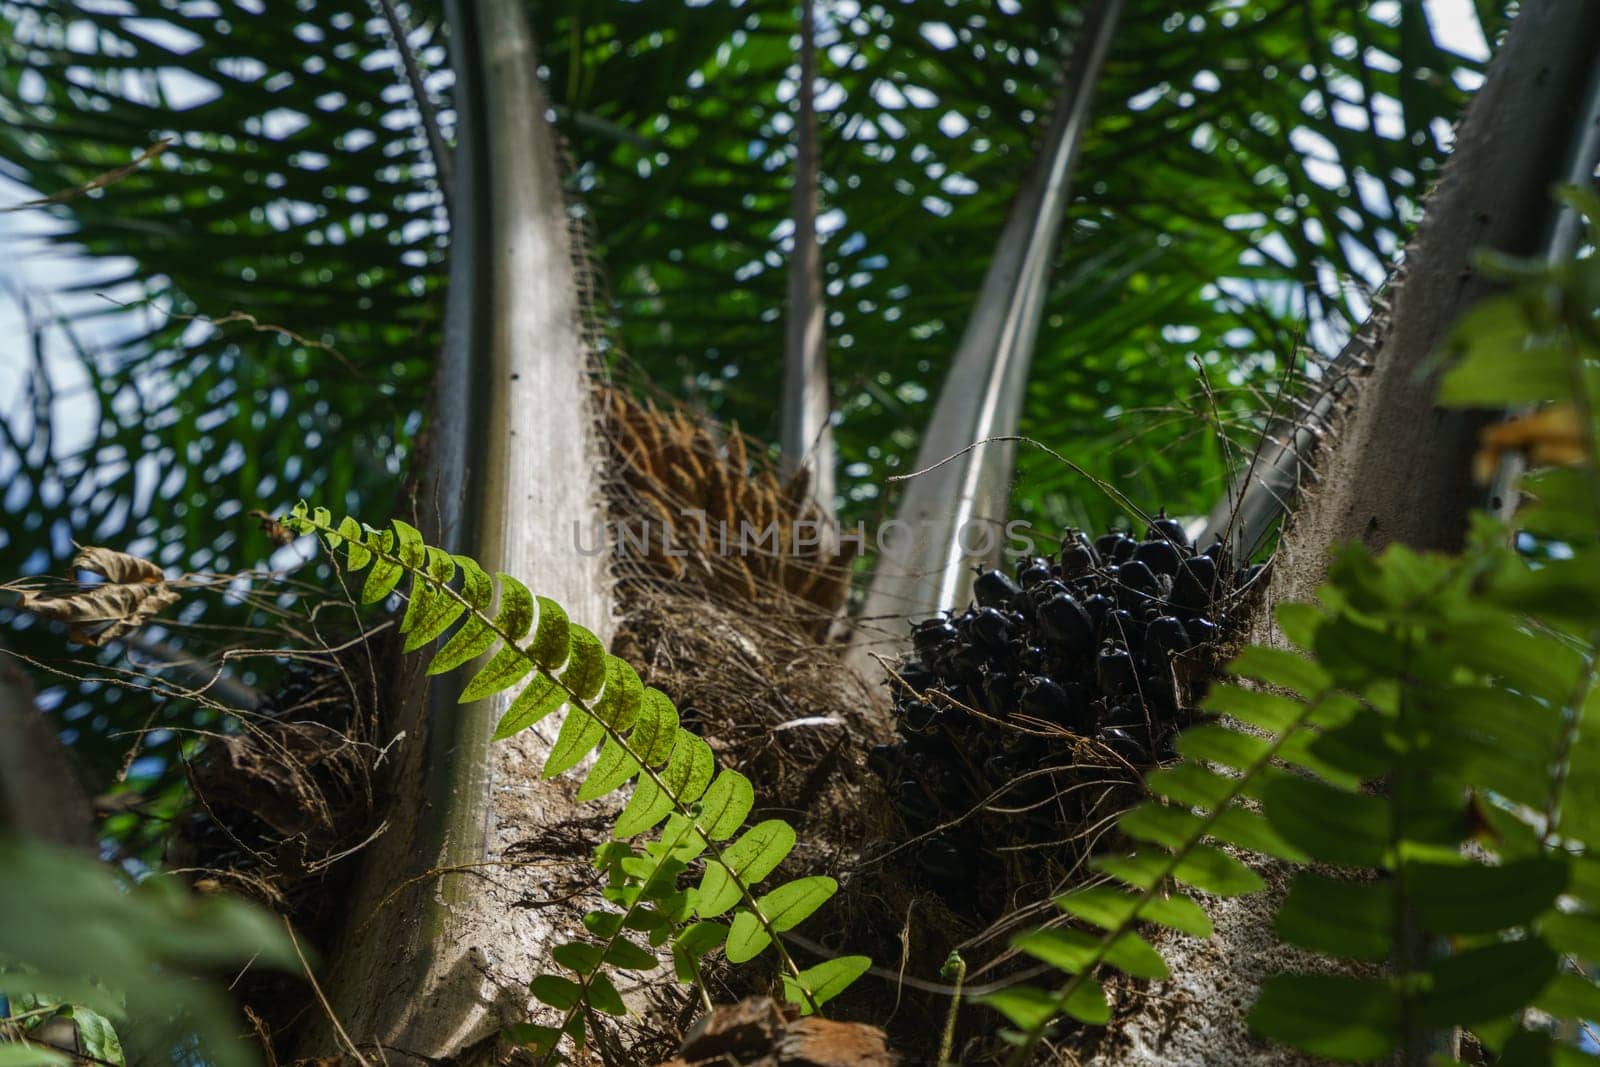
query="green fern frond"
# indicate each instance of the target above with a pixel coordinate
(640, 740)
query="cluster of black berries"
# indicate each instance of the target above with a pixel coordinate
(1076, 669)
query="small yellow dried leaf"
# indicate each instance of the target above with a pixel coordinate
(1551, 437)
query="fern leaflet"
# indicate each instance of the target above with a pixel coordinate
(640, 740)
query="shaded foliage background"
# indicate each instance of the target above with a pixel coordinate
(1251, 168)
(1233, 201)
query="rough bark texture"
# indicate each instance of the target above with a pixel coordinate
(1400, 472)
(1397, 470)
(446, 924)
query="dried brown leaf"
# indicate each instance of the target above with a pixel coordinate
(134, 590)
(114, 566)
(760, 1031)
(276, 532)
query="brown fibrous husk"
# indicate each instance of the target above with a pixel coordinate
(279, 804)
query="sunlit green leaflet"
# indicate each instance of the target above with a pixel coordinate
(638, 733)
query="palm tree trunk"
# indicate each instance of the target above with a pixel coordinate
(1398, 468)
(1564, 151)
(437, 953)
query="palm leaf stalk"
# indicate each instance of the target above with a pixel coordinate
(511, 469)
(968, 476)
(806, 438)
